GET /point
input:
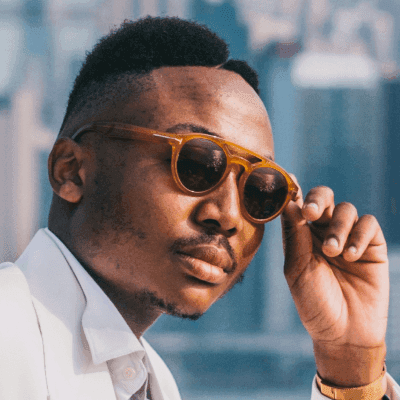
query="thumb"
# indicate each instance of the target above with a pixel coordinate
(297, 237)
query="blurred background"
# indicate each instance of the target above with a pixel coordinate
(329, 78)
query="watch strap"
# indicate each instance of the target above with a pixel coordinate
(373, 391)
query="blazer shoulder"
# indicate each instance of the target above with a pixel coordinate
(14, 289)
(17, 312)
(22, 360)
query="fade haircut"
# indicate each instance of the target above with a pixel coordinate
(128, 55)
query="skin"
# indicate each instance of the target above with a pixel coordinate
(118, 210)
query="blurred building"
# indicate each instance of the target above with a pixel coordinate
(328, 78)
(390, 130)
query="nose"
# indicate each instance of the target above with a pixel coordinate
(220, 210)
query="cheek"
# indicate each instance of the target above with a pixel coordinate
(156, 204)
(170, 214)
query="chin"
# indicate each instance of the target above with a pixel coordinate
(191, 317)
(185, 311)
(177, 311)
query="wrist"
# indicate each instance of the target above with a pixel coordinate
(349, 366)
(374, 391)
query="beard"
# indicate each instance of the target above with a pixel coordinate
(167, 308)
(152, 299)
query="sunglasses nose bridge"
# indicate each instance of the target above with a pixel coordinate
(239, 161)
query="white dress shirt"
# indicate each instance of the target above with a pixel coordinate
(109, 337)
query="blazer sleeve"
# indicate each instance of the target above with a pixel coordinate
(22, 369)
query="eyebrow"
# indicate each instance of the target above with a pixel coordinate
(178, 128)
(191, 128)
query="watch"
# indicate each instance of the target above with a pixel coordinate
(374, 391)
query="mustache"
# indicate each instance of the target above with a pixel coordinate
(209, 237)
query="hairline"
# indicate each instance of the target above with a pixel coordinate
(91, 94)
(142, 83)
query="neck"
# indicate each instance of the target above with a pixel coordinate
(136, 308)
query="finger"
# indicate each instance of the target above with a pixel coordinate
(291, 216)
(318, 205)
(364, 233)
(344, 217)
(297, 238)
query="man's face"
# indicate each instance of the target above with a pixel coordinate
(147, 236)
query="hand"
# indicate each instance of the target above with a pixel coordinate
(337, 270)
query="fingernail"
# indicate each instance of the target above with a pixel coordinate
(332, 242)
(312, 206)
(352, 249)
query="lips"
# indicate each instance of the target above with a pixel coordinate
(207, 263)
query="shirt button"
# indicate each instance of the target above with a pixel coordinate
(129, 373)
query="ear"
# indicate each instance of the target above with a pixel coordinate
(66, 171)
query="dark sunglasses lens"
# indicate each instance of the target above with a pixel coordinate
(201, 164)
(265, 192)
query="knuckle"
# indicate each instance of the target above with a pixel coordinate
(365, 226)
(370, 219)
(348, 206)
(324, 191)
(328, 194)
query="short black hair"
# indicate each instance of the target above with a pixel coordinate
(138, 47)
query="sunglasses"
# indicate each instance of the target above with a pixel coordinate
(200, 163)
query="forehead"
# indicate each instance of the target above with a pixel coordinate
(218, 101)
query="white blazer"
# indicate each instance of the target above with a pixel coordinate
(44, 354)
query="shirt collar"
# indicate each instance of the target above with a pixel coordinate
(107, 333)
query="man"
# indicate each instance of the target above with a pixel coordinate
(163, 180)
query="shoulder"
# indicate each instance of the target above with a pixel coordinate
(21, 348)
(14, 289)
(19, 325)
(14, 292)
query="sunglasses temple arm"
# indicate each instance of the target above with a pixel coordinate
(155, 138)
